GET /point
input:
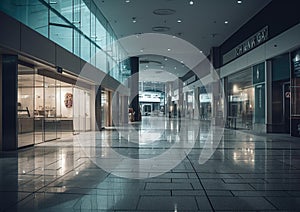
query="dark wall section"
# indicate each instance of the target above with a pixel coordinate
(279, 16)
(9, 101)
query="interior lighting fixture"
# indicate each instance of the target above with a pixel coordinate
(169, 50)
(127, 1)
(191, 2)
(133, 19)
(235, 89)
(179, 21)
(239, 2)
(226, 22)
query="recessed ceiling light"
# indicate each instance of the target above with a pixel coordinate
(201, 51)
(147, 66)
(127, 1)
(179, 21)
(181, 61)
(226, 22)
(134, 19)
(169, 50)
(166, 59)
(142, 50)
(239, 2)
(175, 67)
(191, 2)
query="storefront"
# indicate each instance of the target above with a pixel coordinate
(106, 108)
(246, 98)
(295, 94)
(279, 99)
(240, 100)
(205, 98)
(50, 106)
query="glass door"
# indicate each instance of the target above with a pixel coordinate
(105, 108)
(87, 111)
(76, 110)
(25, 106)
(82, 113)
(39, 109)
(50, 110)
(58, 109)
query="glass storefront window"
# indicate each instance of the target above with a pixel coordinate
(85, 49)
(62, 36)
(105, 108)
(76, 25)
(39, 112)
(205, 106)
(100, 31)
(85, 17)
(25, 106)
(33, 13)
(241, 103)
(64, 7)
(49, 109)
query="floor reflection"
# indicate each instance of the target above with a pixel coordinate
(193, 166)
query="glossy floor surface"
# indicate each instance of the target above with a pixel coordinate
(156, 165)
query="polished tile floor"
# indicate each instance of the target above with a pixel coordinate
(157, 165)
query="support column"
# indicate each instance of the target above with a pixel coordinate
(125, 109)
(180, 98)
(168, 96)
(9, 102)
(92, 107)
(134, 87)
(269, 100)
(197, 103)
(98, 108)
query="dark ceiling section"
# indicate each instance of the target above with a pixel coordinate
(278, 15)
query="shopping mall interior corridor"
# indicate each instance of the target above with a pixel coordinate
(159, 164)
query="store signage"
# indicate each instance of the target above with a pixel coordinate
(252, 42)
(190, 80)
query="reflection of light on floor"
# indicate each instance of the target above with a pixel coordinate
(244, 155)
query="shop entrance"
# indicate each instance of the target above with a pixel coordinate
(49, 108)
(105, 108)
(281, 106)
